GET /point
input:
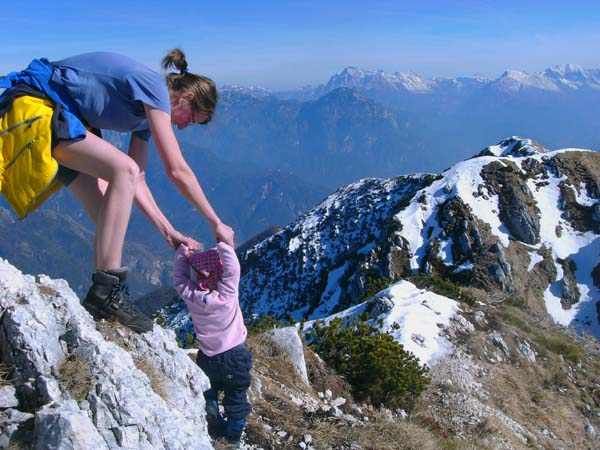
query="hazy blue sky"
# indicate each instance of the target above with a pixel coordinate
(288, 43)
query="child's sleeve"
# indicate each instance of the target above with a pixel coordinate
(230, 279)
(185, 287)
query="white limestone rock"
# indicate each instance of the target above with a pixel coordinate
(8, 398)
(288, 340)
(159, 407)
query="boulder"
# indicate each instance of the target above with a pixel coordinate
(288, 340)
(8, 398)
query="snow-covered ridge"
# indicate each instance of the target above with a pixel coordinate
(253, 91)
(464, 224)
(353, 77)
(556, 232)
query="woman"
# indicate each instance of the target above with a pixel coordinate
(111, 91)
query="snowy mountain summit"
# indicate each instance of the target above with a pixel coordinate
(516, 221)
(354, 77)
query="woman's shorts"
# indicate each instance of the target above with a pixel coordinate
(66, 175)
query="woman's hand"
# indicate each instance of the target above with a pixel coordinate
(175, 238)
(223, 233)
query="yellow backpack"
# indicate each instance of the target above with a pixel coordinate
(27, 168)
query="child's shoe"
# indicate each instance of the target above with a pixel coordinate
(233, 432)
(216, 423)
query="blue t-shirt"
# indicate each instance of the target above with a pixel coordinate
(110, 89)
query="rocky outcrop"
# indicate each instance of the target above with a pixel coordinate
(75, 387)
(499, 269)
(579, 189)
(569, 288)
(515, 201)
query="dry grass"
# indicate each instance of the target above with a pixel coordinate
(4, 375)
(47, 291)
(75, 375)
(15, 446)
(114, 332)
(157, 380)
(220, 444)
(323, 377)
(270, 359)
(274, 410)
(380, 433)
(551, 394)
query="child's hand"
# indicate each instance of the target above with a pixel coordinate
(184, 250)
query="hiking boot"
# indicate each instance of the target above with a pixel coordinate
(216, 423)
(108, 298)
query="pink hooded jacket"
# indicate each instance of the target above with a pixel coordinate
(216, 314)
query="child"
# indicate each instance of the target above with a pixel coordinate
(215, 309)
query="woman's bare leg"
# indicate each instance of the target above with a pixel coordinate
(89, 191)
(96, 157)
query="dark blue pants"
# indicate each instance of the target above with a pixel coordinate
(229, 372)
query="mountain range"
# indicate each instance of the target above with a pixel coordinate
(559, 78)
(364, 123)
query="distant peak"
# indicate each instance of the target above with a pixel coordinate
(514, 146)
(254, 91)
(514, 74)
(567, 68)
(353, 70)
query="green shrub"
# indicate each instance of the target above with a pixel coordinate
(561, 345)
(186, 340)
(161, 320)
(443, 287)
(516, 302)
(258, 325)
(374, 284)
(374, 363)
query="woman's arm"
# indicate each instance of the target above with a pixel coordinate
(138, 151)
(180, 173)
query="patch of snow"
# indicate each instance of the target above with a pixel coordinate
(294, 244)
(583, 198)
(331, 295)
(582, 248)
(464, 266)
(534, 258)
(445, 252)
(421, 314)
